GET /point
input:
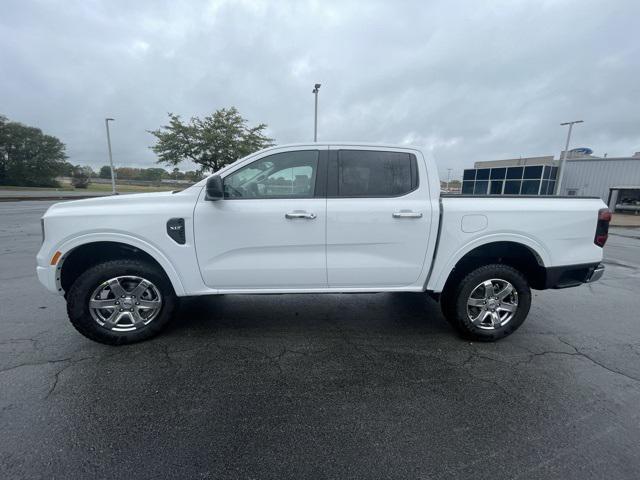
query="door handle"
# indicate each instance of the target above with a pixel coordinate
(299, 214)
(407, 214)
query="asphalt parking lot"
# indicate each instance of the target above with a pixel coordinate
(320, 386)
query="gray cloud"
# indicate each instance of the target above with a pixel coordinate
(465, 80)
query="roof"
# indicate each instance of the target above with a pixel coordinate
(344, 144)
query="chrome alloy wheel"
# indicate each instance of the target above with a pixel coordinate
(125, 304)
(492, 304)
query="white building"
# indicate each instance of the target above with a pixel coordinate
(615, 180)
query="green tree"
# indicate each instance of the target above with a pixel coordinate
(105, 171)
(153, 174)
(211, 142)
(29, 157)
(66, 170)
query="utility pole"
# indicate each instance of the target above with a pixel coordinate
(448, 177)
(564, 157)
(113, 171)
(315, 116)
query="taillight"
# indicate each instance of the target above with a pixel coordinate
(602, 229)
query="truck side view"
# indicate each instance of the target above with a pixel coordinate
(317, 218)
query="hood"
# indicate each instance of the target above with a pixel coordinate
(106, 203)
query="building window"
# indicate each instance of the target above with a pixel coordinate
(467, 188)
(481, 187)
(530, 187)
(572, 192)
(514, 173)
(533, 172)
(496, 187)
(498, 173)
(512, 187)
(482, 174)
(469, 175)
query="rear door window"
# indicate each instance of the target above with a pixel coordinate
(366, 173)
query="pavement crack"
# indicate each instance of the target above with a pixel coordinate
(596, 362)
(56, 375)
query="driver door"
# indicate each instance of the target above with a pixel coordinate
(269, 230)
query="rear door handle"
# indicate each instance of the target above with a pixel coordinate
(407, 214)
(299, 214)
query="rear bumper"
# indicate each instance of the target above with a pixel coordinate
(573, 275)
(596, 274)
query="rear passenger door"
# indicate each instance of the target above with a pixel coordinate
(378, 218)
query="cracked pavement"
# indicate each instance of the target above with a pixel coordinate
(320, 386)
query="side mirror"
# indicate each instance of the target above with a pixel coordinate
(215, 189)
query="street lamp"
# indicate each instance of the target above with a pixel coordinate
(113, 171)
(564, 157)
(316, 87)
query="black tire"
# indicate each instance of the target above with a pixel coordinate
(79, 294)
(454, 302)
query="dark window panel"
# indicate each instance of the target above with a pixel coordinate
(514, 173)
(552, 188)
(512, 187)
(365, 173)
(547, 172)
(533, 172)
(496, 187)
(545, 188)
(530, 187)
(469, 175)
(554, 173)
(498, 173)
(481, 187)
(482, 174)
(467, 188)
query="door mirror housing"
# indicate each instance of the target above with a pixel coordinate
(215, 190)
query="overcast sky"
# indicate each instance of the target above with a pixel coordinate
(467, 81)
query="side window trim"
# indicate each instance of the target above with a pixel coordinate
(320, 177)
(332, 180)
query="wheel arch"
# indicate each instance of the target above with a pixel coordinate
(522, 253)
(83, 252)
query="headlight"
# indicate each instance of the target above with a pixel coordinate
(42, 226)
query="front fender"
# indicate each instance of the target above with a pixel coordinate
(67, 246)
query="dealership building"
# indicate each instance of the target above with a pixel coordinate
(615, 180)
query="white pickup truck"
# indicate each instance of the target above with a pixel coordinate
(318, 218)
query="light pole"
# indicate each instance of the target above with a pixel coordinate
(316, 87)
(564, 157)
(448, 177)
(113, 171)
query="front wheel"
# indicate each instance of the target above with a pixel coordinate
(121, 301)
(489, 303)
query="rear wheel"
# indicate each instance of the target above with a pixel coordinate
(489, 303)
(121, 301)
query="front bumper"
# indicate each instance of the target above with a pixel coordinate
(47, 277)
(573, 275)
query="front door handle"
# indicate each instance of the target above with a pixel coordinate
(299, 214)
(407, 214)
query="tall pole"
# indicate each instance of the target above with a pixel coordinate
(448, 177)
(315, 115)
(564, 157)
(113, 171)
